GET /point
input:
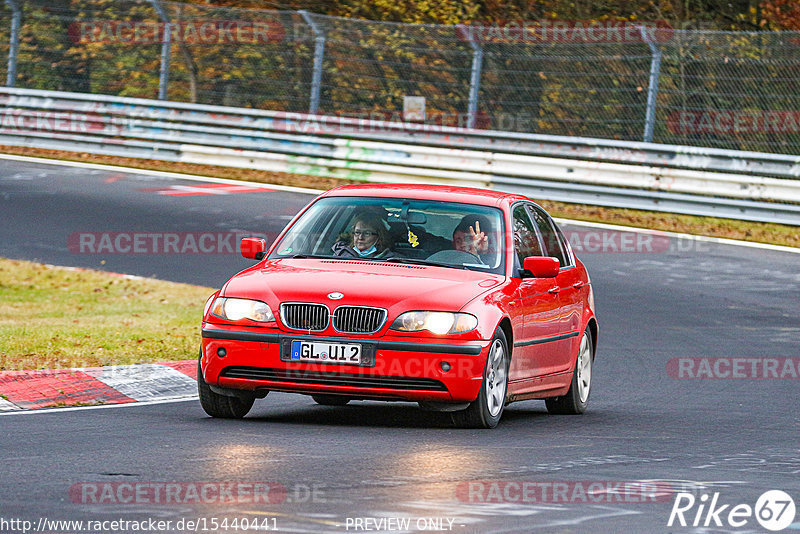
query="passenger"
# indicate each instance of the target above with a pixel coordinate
(472, 235)
(367, 239)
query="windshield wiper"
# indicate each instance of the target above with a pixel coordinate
(421, 262)
(309, 256)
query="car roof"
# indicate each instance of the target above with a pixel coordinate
(468, 195)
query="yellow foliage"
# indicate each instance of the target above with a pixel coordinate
(412, 11)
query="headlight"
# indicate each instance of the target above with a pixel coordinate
(439, 323)
(238, 309)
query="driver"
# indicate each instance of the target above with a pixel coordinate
(368, 238)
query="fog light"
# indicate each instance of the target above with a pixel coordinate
(445, 366)
(221, 352)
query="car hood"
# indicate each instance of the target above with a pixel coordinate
(394, 286)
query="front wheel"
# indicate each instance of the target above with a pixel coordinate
(577, 398)
(486, 410)
(222, 406)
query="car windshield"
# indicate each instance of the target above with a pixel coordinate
(448, 234)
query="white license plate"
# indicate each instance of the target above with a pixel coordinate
(311, 351)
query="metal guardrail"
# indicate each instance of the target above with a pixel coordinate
(701, 181)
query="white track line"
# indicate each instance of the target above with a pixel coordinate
(165, 174)
(37, 411)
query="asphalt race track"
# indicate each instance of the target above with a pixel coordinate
(391, 467)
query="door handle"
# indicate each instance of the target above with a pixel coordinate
(554, 290)
(578, 285)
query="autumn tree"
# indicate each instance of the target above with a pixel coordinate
(781, 14)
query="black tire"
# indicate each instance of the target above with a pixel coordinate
(222, 406)
(576, 400)
(487, 409)
(330, 400)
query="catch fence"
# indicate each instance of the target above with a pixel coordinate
(612, 80)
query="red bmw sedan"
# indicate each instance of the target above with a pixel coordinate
(462, 300)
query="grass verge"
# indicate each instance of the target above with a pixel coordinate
(55, 317)
(776, 234)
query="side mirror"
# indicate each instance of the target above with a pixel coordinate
(253, 248)
(541, 266)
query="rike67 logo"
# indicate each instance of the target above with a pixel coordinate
(774, 510)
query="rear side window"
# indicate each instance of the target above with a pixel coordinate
(526, 240)
(552, 243)
(568, 253)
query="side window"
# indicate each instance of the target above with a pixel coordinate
(526, 239)
(552, 244)
(565, 246)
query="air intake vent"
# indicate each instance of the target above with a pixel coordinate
(297, 376)
(308, 317)
(358, 319)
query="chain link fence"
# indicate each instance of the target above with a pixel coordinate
(720, 89)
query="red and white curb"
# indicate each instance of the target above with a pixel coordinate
(22, 390)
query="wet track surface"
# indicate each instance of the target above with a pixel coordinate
(328, 467)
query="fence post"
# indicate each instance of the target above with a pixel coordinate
(652, 86)
(319, 55)
(475, 80)
(13, 45)
(166, 50)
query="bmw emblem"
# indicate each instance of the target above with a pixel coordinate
(335, 295)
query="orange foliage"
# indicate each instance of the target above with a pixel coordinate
(781, 14)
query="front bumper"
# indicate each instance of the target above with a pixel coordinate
(403, 367)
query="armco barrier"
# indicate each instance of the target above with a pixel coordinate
(702, 181)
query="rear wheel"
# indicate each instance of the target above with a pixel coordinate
(486, 410)
(577, 398)
(330, 400)
(216, 405)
